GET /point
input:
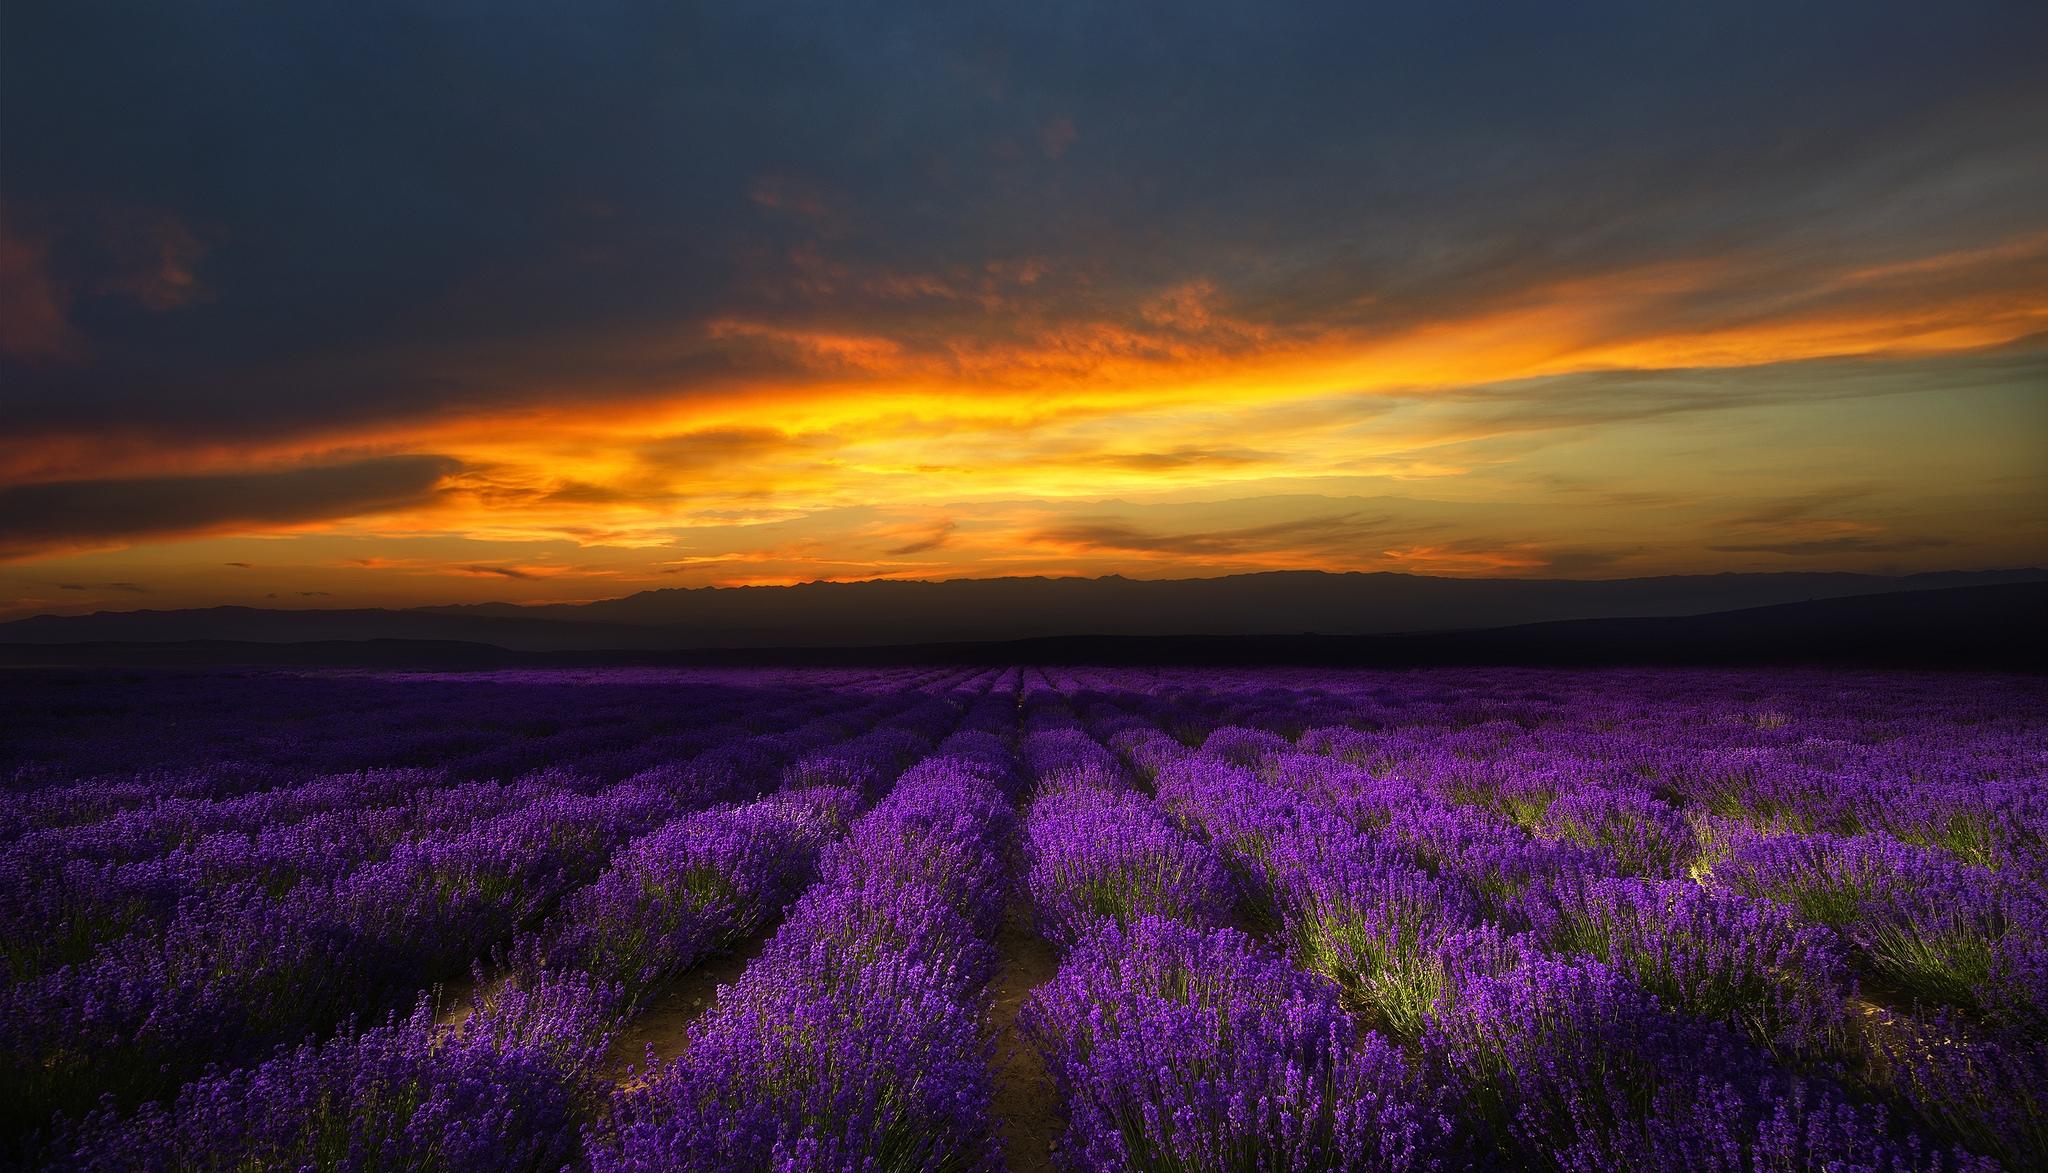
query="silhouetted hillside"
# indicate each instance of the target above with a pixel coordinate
(1995, 626)
(883, 614)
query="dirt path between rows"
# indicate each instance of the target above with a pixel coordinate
(1026, 1107)
(664, 1024)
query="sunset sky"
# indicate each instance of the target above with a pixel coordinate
(313, 304)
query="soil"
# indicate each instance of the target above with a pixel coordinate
(454, 1001)
(1027, 1106)
(664, 1024)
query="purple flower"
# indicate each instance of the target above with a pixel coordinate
(1719, 954)
(1179, 1047)
(1097, 855)
(1929, 925)
(504, 1090)
(1572, 1065)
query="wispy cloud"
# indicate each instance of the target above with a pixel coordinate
(935, 538)
(1847, 544)
(1316, 533)
(1799, 507)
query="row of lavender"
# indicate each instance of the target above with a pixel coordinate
(855, 1040)
(1176, 1040)
(79, 747)
(205, 932)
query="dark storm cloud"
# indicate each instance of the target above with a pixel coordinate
(416, 208)
(67, 513)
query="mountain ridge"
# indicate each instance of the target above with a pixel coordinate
(1989, 627)
(884, 612)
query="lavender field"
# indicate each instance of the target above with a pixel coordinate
(1090, 919)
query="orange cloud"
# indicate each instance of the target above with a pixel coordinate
(1451, 560)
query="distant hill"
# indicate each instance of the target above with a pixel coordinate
(887, 614)
(1988, 627)
(1995, 627)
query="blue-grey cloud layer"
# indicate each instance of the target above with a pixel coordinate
(401, 209)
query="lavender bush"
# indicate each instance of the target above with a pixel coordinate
(854, 1040)
(1176, 1047)
(1096, 855)
(1718, 954)
(1574, 1066)
(1936, 928)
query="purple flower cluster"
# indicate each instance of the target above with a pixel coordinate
(1067, 755)
(1570, 1065)
(504, 1090)
(1934, 927)
(1402, 867)
(1635, 833)
(1718, 954)
(1177, 1047)
(854, 1041)
(1148, 750)
(1098, 855)
(866, 763)
(1988, 1088)
(202, 928)
(1354, 908)
(231, 975)
(696, 885)
(1242, 747)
